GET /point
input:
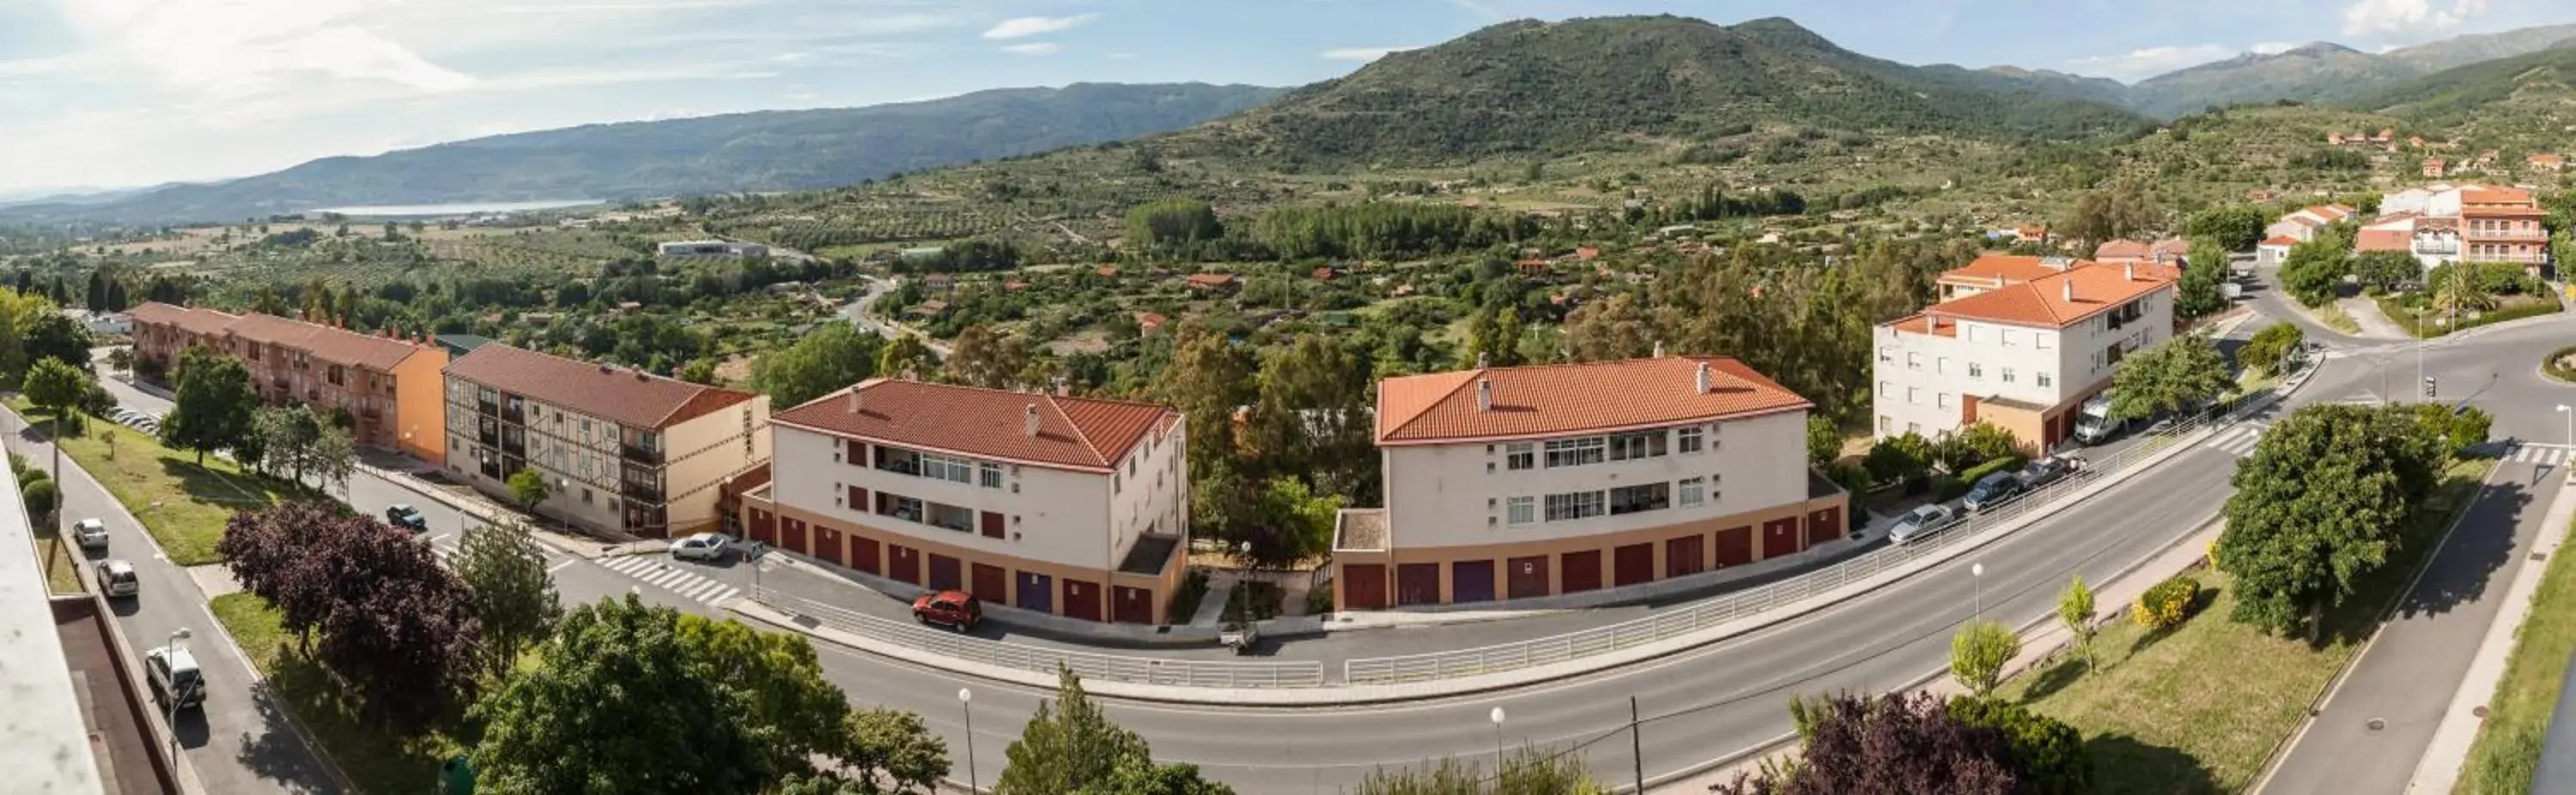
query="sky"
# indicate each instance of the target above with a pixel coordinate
(113, 93)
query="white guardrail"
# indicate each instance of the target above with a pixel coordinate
(1140, 670)
(1717, 610)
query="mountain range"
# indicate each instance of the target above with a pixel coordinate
(2327, 72)
(763, 151)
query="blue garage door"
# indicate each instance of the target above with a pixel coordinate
(1036, 592)
(1471, 581)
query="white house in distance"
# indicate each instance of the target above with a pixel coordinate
(2302, 225)
(1525, 482)
(711, 248)
(2023, 356)
(1063, 505)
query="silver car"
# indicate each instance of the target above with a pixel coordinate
(116, 578)
(90, 533)
(703, 546)
(1921, 522)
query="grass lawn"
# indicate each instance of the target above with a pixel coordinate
(62, 560)
(2198, 708)
(2428, 323)
(195, 501)
(2508, 747)
(2333, 316)
(374, 760)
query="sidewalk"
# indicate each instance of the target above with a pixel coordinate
(2449, 752)
(2375, 324)
(402, 473)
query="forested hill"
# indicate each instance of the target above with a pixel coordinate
(1560, 87)
(766, 151)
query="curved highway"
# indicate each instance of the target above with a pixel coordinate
(1717, 700)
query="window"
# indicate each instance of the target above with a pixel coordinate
(2044, 341)
(1695, 490)
(1913, 361)
(1914, 428)
(1640, 498)
(1941, 365)
(1520, 510)
(2007, 336)
(1887, 353)
(1690, 439)
(2008, 375)
(1914, 395)
(1131, 464)
(1578, 505)
(1941, 400)
(1113, 482)
(940, 467)
(1576, 452)
(1633, 446)
(2044, 380)
(1885, 424)
(1886, 388)
(989, 475)
(1519, 456)
(1976, 370)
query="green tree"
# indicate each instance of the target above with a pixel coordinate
(983, 357)
(619, 703)
(2200, 293)
(41, 498)
(1979, 652)
(1898, 458)
(55, 335)
(1209, 378)
(2324, 499)
(2315, 268)
(1609, 329)
(1173, 222)
(2386, 269)
(2234, 227)
(1824, 443)
(20, 311)
(214, 404)
(906, 356)
(512, 593)
(57, 388)
(2457, 292)
(1526, 771)
(1293, 524)
(121, 358)
(2046, 754)
(2075, 609)
(2271, 347)
(1147, 778)
(1313, 418)
(833, 356)
(2119, 211)
(1068, 746)
(527, 487)
(2182, 373)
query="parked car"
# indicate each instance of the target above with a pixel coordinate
(1993, 489)
(176, 682)
(1920, 522)
(957, 610)
(703, 546)
(90, 533)
(116, 578)
(404, 516)
(2047, 470)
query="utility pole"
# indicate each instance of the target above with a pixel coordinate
(1636, 745)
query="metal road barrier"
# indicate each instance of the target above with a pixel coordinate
(1096, 667)
(1673, 622)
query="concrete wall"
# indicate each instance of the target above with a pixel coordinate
(1151, 491)
(1922, 381)
(701, 453)
(419, 416)
(1444, 496)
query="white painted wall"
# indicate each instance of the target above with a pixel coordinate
(1442, 495)
(1919, 381)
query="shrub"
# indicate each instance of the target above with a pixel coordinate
(2264, 351)
(1946, 488)
(1980, 471)
(2167, 603)
(2047, 753)
(40, 497)
(2556, 365)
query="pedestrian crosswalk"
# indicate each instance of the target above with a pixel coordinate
(2237, 440)
(661, 572)
(2538, 454)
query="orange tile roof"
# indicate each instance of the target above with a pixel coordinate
(2384, 240)
(330, 344)
(1210, 279)
(2283, 240)
(2495, 196)
(1922, 324)
(1568, 399)
(1073, 433)
(2141, 250)
(190, 319)
(2044, 303)
(627, 397)
(2012, 267)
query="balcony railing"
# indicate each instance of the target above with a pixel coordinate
(487, 408)
(639, 491)
(2533, 236)
(641, 455)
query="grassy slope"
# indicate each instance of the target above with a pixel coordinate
(2200, 707)
(61, 560)
(374, 760)
(194, 501)
(2508, 746)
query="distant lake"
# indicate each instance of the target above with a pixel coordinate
(433, 210)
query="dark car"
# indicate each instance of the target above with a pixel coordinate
(1993, 489)
(955, 609)
(406, 516)
(2046, 470)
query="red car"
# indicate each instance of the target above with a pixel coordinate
(957, 609)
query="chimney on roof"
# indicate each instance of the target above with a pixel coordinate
(1484, 394)
(854, 400)
(1480, 360)
(606, 369)
(1032, 420)
(1659, 349)
(1703, 378)
(2068, 289)
(1999, 281)
(2130, 271)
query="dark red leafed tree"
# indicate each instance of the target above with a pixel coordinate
(1891, 745)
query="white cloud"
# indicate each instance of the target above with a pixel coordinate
(2148, 62)
(1034, 48)
(233, 48)
(1023, 27)
(1364, 53)
(2410, 19)
(2271, 48)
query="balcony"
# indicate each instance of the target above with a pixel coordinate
(643, 492)
(2438, 248)
(2517, 236)
(513, 414)
(641, 455)
(487, 408)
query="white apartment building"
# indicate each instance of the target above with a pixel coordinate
(1523, 482)
(2024, 356)
(620, 450)
(1061, 505)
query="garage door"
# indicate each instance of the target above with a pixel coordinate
(946, 574)
(863, 554)
(903, 564)
(791, 534)
(764, 527)
(1582, 570)
(1417, 583)
(1131, 605)
(991, 584)
(1082, 600)
(1363, 586)
(1471, 581)
(1037, 592)
(1734, 546)
(1780, 537)
(1685, 556)
(1632, 564)
(1825, 525)
(827, 545)
(1526, 578)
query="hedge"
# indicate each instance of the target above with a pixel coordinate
(2167, 603)
(2556, 366)
(1946, 488)
(1980, 471)
(2421, 329)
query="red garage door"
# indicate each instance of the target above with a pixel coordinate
(1471, 581)
(1526, 578)
(946, 574)
(1825, 525)
(1780, 537)
(1082, 600)
(827, 545)
(863, 554)
(1131, 605)
(903, 564)
(1685, 556)
(764, 526)
(991, 584)
(1417, 583)
(1632, 564)
(1363, 586)
(1582, 570)
(1734, 546)
(791, 534)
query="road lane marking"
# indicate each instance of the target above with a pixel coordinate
(561, 566)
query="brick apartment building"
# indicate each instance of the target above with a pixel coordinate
(388, 386)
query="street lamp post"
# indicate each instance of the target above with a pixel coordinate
(1497, 716)
(966, 701)
(1977, 573)
(176, 638)
(2571, 424)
